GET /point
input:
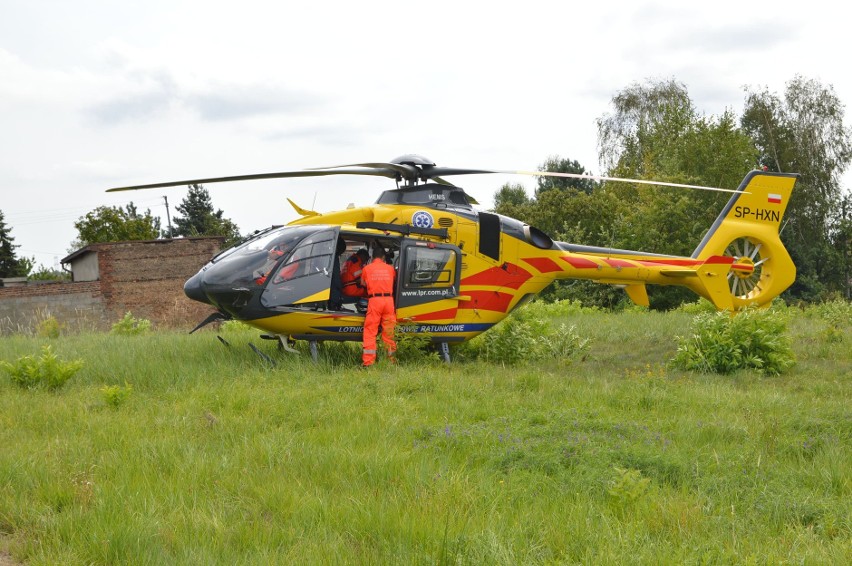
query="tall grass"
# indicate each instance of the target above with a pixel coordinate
(219, 458)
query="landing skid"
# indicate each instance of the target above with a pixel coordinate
(286, 343)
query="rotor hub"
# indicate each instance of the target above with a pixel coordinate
(743, 267)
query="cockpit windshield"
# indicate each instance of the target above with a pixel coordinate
(251, 262)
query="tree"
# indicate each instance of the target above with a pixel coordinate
(44, 273)
(804, 133)
(645, 118)
(10, 264)
(115, 224)
(199, 219)
(557, 165)
(655, 133)
(571, 210)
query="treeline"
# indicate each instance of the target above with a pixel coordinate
(654, 132)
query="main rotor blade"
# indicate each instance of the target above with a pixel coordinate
(444, 171)
(400, 168)
(615, 179)
(408, 172)
(390, 173)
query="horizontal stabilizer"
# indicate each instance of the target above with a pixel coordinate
(679, 272)
(303, 211)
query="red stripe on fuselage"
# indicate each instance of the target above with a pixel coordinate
(447, 314)
(513, 276)
(675, 262)
(543, 264)
(614, 262)
(579, 262)
(487, 301)
(719, 259)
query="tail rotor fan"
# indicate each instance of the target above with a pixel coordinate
(750, 272)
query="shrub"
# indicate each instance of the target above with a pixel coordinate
(116, 395)
(838, 316)
(47, 372)
(702, 305)
(49, 328)
(627, 486)
(130, 326)
(527, 335)
(721, 343)
(415, 346)
(564, 307)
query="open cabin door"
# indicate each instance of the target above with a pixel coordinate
(303, 275)
(428, 282)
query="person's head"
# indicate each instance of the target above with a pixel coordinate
(363, 254)
(378, 251)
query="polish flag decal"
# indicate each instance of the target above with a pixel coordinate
(773, 198)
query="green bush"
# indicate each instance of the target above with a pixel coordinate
(528, 335)
(702, 305)
(837, 314)
(721, 343)
(116, 395)
(49, 328)
(627, 486)
(130, 326)
(564, 307)
(47, 371)
(415, 346)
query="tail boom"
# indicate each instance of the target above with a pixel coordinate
(740, 262)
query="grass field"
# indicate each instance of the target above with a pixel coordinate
(214, 457)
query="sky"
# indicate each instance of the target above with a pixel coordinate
(102, 93)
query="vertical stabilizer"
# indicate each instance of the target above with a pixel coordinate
(748, 230)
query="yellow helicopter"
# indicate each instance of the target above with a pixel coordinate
(462, 270)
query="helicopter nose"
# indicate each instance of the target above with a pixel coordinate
(192, 288)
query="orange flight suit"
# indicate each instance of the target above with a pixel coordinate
(379, 277)
(350, 275)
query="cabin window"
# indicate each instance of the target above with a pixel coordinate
(313, 255)
(429, 267)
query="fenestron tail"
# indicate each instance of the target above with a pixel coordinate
(747, 230)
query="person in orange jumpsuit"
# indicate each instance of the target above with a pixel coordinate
(350, 274)
(378, 277)
(272, 258)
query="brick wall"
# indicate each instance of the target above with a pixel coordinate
(145, 278)
(80, 306)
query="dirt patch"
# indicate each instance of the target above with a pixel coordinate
(5, 558)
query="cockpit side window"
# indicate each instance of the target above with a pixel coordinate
(304, 275)
(313, 255)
